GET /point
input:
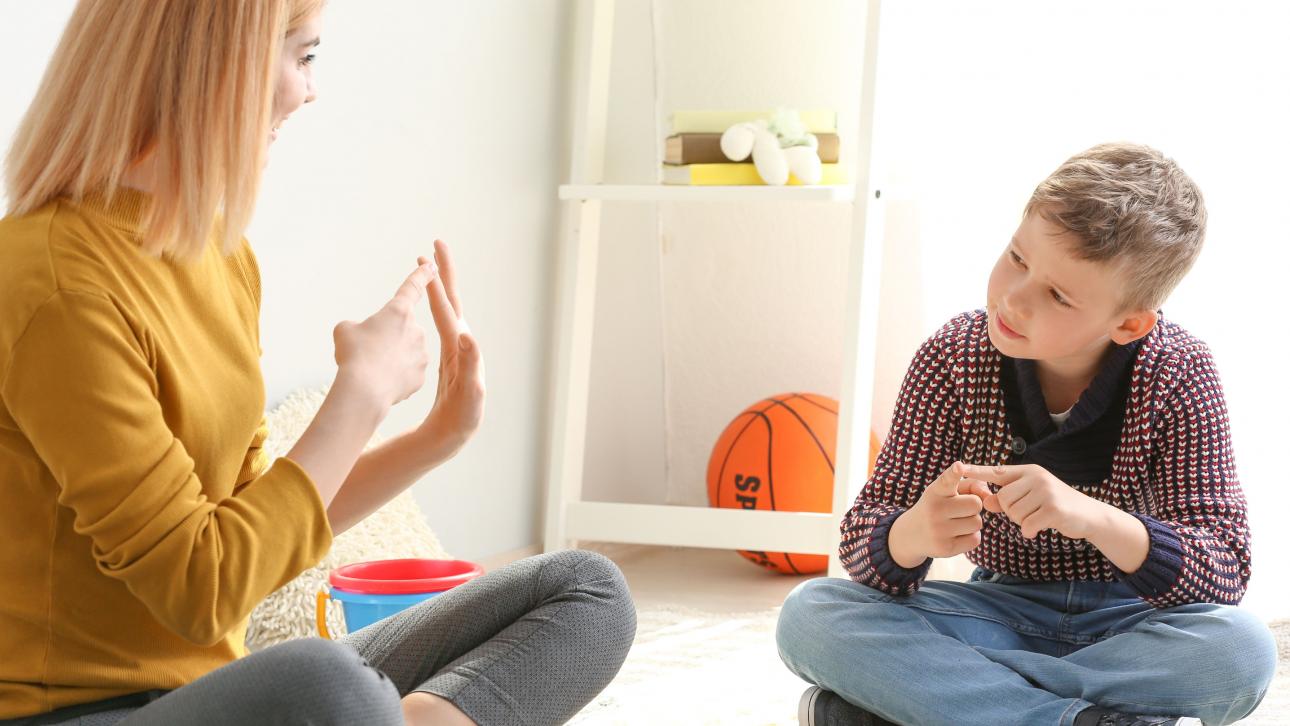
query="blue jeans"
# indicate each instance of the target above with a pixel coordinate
(1003, 650)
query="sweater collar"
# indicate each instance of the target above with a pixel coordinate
(1117, 365)
(123, 207)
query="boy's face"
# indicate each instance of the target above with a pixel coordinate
(1046, 304)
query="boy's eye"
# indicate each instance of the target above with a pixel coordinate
(1016, 258)
(307, 60)
(1060, 300)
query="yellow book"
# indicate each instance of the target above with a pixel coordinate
(743, 174)
(817, 121)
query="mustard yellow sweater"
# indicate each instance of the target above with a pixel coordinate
(138, 526)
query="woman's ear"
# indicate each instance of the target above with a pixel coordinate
(1134, 325)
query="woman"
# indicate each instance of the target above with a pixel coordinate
(141, 525)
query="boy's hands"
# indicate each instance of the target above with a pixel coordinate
(945, 522)
(1036, 500)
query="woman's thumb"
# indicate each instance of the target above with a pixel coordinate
(466, 344)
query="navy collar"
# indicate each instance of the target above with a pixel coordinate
(1106, 389)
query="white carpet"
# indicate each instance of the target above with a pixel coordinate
(697, 667)
(700, 667)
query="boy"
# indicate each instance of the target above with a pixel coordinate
(1075, 445)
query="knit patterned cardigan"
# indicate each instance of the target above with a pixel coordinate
(1172, 469)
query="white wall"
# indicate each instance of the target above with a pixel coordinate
(991, 97)
(705, 309)
(434, 119)
(441, 119)
(981, 101)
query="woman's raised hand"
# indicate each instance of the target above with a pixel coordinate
(385, 355)
(459, 398)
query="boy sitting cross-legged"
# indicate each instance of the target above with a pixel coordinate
(1075, 445)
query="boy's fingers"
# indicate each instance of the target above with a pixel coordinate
(1021, 509)
(1001, 475)
(1033, 524)
(964, 505)
(448, 274)
(989, 501)
(1008, 496)
(966, 542)
(947, 484)
(965, 525)
(974, 486)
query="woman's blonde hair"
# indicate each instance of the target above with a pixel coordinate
(190, 81)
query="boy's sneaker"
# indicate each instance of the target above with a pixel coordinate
(819, 707)
(1094, 716)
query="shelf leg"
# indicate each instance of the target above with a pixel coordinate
(864, 266)
(580, 239)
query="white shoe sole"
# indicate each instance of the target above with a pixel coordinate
(806, 706)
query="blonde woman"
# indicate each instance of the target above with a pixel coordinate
(141, 524)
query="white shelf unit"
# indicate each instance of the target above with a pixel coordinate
(568, 517)
(665, 193)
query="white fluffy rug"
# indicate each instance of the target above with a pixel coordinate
(398, 529)
(698, 667)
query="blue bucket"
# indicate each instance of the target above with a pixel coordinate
(362, 610)
(372, 591)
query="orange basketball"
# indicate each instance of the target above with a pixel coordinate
(778, 455)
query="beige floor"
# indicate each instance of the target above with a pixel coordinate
(702, 579)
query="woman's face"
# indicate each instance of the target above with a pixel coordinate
(295, 84)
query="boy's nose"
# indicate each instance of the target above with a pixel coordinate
(1008, 306)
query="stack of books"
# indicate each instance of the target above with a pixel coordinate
(692, 154)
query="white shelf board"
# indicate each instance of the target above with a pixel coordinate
(655, 524)
(679, 193)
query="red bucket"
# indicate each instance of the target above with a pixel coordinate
(402, 577)
(371, 591)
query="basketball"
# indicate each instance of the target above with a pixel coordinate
(778, 455)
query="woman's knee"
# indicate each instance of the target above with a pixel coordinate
(334, 681)
(600, 584)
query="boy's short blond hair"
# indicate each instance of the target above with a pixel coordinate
(1131, 206)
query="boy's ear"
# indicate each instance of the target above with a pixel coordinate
(1134, 325)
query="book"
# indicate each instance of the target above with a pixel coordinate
(731, 174)
(706, 149)
(715, 122)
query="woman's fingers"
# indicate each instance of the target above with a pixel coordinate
(471, 363)
(415, 284)
(445, 318)
(448, 274)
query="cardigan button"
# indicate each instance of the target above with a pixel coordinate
(1018, 445)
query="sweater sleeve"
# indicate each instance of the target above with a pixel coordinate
(1199, 534)
(81, 388)
(923, 442)
(256, 459)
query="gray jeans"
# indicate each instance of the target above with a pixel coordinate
(530, 643)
